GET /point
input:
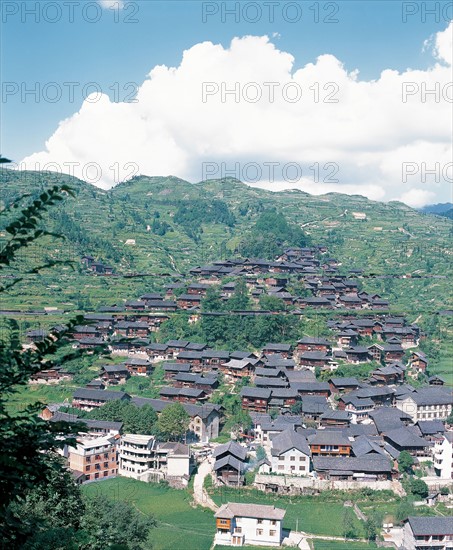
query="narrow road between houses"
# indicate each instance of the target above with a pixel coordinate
(200, 496)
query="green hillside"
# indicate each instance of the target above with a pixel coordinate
(173, 225)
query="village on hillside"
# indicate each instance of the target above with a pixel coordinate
(353, 406)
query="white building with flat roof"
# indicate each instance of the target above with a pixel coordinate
(443, 456)
(142, 457)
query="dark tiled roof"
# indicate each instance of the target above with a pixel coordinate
(363, 464)
(99, 395)
(431, 525)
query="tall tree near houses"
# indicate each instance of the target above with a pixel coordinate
(27, 443)
(173, 421)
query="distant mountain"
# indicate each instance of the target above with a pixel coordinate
(168, 225)
(441, 209)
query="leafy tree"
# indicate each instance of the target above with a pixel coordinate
(27, 442)
(405, 462)
(173, 421)
(272, 303)
(348, 523)
(108, 522)
(270, 232)
(48, 513)
(240, 299)
(260, 453)
(213, 300)
(373, 524)
(404, 509)
(241, 421)
(136, 420)
(418, 487)
(28, 461)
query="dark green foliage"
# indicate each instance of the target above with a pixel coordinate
(270, 232)
(48, 513)
(213, 300)
(240, 299)
(173, 422)
(28, 443)
(405, 509)
(373, 524)
(86, 242)
(419, 488)
(405, 462)
(159, 227)
(271, 303)
(192, 214)
(136, 420)
(107, 522)
(348, 523)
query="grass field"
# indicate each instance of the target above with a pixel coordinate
(179, 525)
(338, 545)
(306, 513)
(27, 395)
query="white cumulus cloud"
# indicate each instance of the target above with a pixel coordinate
(338, 132)
(109, 4)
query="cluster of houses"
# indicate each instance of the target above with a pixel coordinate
(136, 319)
(102, 451)
(338, 429)
(336, 448)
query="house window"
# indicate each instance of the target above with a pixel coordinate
(281, 458)
(239, 530)
(301, 468)
(292, 458)
(273, 522)
(272, 533)
(281, 467)
(259, 532)
(301, 458)
(259, 521)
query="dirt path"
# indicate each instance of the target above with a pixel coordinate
(200, 496)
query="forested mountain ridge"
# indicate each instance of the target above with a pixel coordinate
(165, 224)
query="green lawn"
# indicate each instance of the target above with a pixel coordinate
(338, 545)
(27, 395)
(247, 547)
(179, 525)
(306, 513)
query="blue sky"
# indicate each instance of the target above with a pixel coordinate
(369, 36)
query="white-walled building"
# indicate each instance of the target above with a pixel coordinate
(144, 458)
(251, 524)
(290, 454)
(443, 456)
(428, 533)
(426, 404)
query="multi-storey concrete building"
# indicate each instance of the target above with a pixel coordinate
(95, 458)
